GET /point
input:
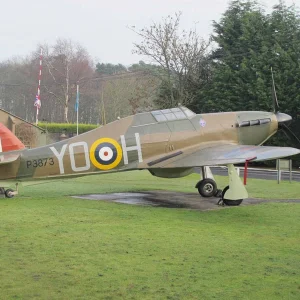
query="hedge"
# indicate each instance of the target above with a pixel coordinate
(67, 128)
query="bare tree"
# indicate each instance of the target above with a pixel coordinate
(123, 95)
(180, 54)
(103, 97)
(67, 64)
(16, 85)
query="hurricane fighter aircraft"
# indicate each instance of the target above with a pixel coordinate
(169, 143)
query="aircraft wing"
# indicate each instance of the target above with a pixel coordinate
(221, 155)
(8, 158)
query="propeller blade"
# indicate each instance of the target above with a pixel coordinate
(274, 95)
(290, 134)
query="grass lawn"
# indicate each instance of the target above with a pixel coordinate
(55, 247)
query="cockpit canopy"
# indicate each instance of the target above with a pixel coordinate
(177, 113)
(162, 116)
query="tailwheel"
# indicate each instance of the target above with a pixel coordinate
(230, 202)
(9, 193)
(207, 187)
(2, 192)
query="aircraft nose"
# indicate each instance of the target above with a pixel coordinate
(283, 118)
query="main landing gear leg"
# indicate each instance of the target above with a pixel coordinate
(233, 194)
(207, 187)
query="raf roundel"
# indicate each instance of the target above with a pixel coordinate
(105, 154)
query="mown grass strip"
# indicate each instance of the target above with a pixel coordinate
(56, 247)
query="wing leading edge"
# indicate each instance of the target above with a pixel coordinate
(225, 154)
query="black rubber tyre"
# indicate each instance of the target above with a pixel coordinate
(218, 193)
(230, 202)
(207, 187)
(233, 202)
(8, 193)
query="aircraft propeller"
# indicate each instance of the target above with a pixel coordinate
(274, 95)
(282, 118)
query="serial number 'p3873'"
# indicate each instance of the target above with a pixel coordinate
(104, 154)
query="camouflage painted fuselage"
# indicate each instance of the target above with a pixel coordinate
(139, 142)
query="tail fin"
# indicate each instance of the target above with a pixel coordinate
(8, 141)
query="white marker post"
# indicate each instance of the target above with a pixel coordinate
(77, 105)
(37, 102)
(1, 157)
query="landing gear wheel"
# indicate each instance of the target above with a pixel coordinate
(8, 193)
(207, 187)
(230, 202)
(2, 191)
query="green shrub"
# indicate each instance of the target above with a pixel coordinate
(67, 128)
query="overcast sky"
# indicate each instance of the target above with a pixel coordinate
(100, 26)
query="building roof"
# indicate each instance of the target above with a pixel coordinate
(40, 128)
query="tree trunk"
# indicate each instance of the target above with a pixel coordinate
(67, 96)
(66, 111)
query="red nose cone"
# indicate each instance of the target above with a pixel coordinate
(8, 140)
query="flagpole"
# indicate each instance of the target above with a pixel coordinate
(39, 87)
(77, 99)
(37, 116)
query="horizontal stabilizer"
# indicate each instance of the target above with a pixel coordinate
(8, 158)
